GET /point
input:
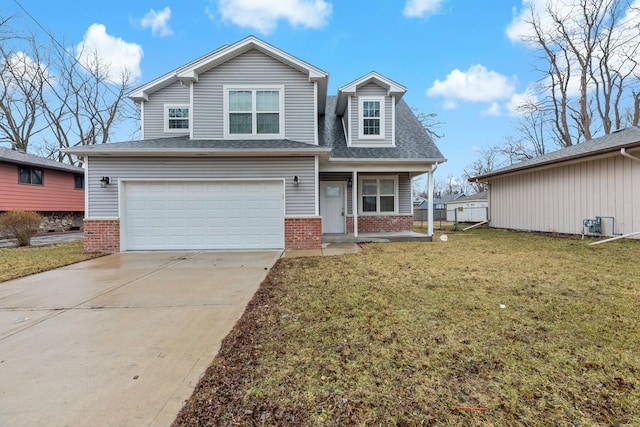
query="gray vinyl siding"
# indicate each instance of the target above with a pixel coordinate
(372, 90)
(560, 198)
(103, 202)
(254, 68)
(154, 110)
(404, 188)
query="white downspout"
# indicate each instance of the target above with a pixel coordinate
(430, 200)
(354, 202)
(623, 151)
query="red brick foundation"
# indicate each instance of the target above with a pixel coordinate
(303, 233)
(381, 224)
(102, 235)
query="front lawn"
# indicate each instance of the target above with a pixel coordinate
(488, 328)
(24, 261)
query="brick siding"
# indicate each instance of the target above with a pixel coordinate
(102, 235)
(381, 224)
(303, 233)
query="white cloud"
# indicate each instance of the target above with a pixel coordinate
(118, 54)
(450, 104)
(477, 84)
(493, 110)
(24, 66)
(158, 21)
(421, 8)
(263, 16)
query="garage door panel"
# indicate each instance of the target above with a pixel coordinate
(203, 215)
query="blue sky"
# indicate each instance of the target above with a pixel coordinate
(460, 59)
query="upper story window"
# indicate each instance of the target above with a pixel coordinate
(78, 181)
(378, 195)
(176, 118)
(30, 175)
(371, 120)
(254, 113)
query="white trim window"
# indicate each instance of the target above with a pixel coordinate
(177, 118)
(379, 195)
(254, 113)
(371, 120)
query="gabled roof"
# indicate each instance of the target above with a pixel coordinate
(393, 89)
(20, 158)
(190, 72)
(412, 141)
(607, 144)
(182, 146)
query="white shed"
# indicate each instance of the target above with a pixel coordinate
(472, 208)
(591, 188)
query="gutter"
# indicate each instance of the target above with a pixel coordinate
(199, 152)
(623, 152)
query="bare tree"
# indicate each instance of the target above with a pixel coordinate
(588, 53)
(46, 91)
(21, 82)
(430, 123)
(489, 160)
(82, 104)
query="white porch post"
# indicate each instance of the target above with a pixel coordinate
(354, 202)
(430, 201)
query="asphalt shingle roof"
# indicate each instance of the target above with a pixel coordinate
(412, 141)
(18, 157)
(625, 138)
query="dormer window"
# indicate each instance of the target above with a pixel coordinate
(254, 113)
(176, 119)
(371, 118)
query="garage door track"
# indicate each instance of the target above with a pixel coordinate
(120, 340)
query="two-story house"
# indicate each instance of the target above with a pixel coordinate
(243, 149)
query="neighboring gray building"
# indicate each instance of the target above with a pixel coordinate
(243, 148)
(597, 181)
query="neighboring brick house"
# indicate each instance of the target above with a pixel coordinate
(33, 183)
(243, 149)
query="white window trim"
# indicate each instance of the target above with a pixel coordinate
(253, 89)
(166, 118)
(395, 195)
(361, 101)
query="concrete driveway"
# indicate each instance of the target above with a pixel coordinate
(120, 340)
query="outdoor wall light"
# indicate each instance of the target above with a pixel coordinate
(296, 181)
(104, 181)
(350, 183)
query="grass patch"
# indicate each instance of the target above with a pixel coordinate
(402, 332)
(24, 261)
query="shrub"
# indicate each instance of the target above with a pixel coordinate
(20, 225)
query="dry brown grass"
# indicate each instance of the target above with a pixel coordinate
(24, 261)
(403, 332)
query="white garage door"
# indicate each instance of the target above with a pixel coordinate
(203, 215)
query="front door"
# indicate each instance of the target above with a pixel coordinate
(332, 205)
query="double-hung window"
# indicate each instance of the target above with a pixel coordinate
(378, 195)
(30, 175)
(254, 113)
(371, 117)
(176, 118)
